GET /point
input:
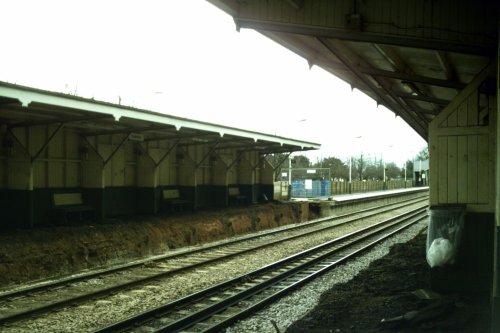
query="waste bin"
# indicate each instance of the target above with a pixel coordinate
(446, 224)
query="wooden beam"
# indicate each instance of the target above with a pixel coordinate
(444, 61)
(57, 121)
(432, 100)
(47, 142)
(487, 50)
(238, 156)
(297, 4)
(399, 64)
(128, 130)
(92, 147)
(261, 158)
(212, 149)
(106, 161)
(281, 161)
(176, 143)
(382, 97)
(414, 78)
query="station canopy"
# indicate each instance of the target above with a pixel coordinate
(413, 57)
(25, 107)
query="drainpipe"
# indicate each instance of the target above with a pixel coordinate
(495, 306)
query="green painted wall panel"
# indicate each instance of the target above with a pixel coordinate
(119, 201)
(15, 209)
(146, 200)
(267, 190)
(94, 197)
(211, 196)
(495, 306)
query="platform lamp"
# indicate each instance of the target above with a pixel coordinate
(350, 167)
(405, 172)
(383, 167)
(406, 167)
(384, 183)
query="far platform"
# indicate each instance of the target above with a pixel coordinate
(344, 198)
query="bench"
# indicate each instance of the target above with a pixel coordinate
(66, 204)
(235, 195)
(173, 198)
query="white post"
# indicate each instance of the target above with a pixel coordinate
(289, 187)
(383, 166)
(405, 174)
(350, 169)
(289, 171)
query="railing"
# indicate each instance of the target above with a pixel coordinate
(281, 188)
(368, 185)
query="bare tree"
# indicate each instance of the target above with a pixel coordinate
(359, 166)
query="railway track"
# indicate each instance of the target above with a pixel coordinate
(217, 307)
(42, 298)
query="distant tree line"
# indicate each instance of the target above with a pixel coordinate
(362, 167)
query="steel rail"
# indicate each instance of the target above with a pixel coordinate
(325, 256)
(78, 298)
(190, 250)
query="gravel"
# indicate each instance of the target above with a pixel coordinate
(293, 307)
(93, 315)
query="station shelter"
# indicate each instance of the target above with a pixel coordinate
(421, 172)
(435, 64)
(65, 153)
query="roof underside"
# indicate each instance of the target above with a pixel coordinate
(25, 107)
(411, 56)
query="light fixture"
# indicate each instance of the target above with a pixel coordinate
(409, 87)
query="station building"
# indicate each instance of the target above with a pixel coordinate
(64, 155)
(435, 64)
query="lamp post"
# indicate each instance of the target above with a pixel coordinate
(405, 174)
(383, 166)
(384, 184)
(350, 167)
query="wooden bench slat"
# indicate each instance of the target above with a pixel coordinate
(66, 199)
(171, 194)
(234, 193)
(65, 203)
(173, 198)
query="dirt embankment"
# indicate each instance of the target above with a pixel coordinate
(42, 253)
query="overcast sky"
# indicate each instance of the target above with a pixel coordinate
(185, 58)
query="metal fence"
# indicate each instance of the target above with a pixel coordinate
(321, 188)
(308, 188)
(369, 185)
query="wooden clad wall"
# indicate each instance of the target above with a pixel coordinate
(444, 20)
(462, 149)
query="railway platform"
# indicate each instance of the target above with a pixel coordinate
(340, 204)
(89, 245)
